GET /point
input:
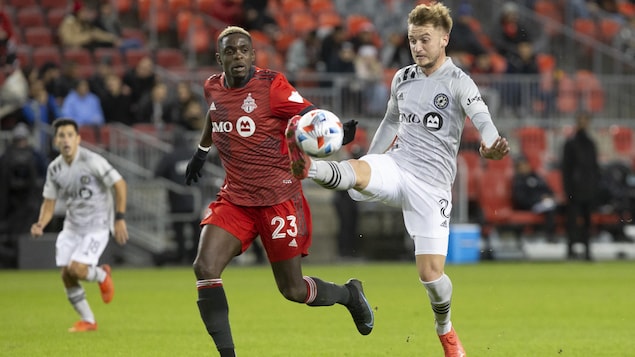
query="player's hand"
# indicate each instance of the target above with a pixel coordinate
(497, 151)
(121, 232)
(350, 127)
(36, 230)
(193, 170)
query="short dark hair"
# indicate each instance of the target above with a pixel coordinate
(230, 30)
(60, 122)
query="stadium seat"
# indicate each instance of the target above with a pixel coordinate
(200, 40)
(55, 16)
(550, 10)
(622, 137)
(133, 33)
(43, 54)
(354, 23)
(329, 19)
(591, 91)
(89, 134)
(474, 165)
(187, 20)
(626, 8)
(113, 53)
(585, 27)
(53, 4)
(175, 6)
(532, 139)
(292, 7)
(134, 55)
(170, 57)
(567, 99)
(123, 6)
(31, 16)
(609, 28)
(81, 56)
(38, 36)
(205, 6)
(303, 22)
(546, 62)
(24, 54)
(319, 6)
(18, 4)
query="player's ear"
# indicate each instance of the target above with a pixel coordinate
(218, 60)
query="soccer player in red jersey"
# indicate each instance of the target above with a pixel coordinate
(249, 108)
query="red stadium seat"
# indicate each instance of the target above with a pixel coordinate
(474, 164)
(170, 57)
(622, 137)
(329, 19)
(178, 5)
(609, 28)
(18, 4)
(81, 56)
(303, 22)
(546, 62)
(53, 4)
(567, 99)
(38, 36)
(25, 55)
(319, 6)
(292, 7)
(55, 16)
(30, 17)
(112, 53)
(134, 55)
(591, 91)
(533, 139)
(43, 54)
(585, 27)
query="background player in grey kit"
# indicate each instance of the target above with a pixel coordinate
(84, 180)
(411, 162)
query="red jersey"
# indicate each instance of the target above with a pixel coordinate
(248, 127)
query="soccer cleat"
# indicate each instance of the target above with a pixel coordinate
(451, 344)
(300, 161)
(359, 307)
(83, 326)
(107, 287)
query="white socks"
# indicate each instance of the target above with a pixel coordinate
(95, 273)
(332, 174)
(77, 298)
(440, 294)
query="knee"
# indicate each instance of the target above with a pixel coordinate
(204, 269)
(296, 293)
(75, 271)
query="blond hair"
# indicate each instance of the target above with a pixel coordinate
(436, 14)
(230, 30)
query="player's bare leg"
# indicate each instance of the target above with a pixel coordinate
(216, 249)
(316, 292)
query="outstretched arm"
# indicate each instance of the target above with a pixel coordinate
(192, 172)
(121, 195)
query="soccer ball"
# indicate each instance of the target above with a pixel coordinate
(319, 133)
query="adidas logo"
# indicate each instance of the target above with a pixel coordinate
(212, 106)
(293, 243)
(444, 224)
(400, 96)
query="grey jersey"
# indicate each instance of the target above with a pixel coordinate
(431, 112)
(85, 187)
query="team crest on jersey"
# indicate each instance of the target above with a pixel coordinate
(441, 101)
(249, 104)
(85, 179)
(433, 121)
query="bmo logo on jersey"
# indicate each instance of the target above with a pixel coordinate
(245, 126)
(433, 121)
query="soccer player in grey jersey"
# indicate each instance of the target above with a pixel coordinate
(411, 162)
(84, 180)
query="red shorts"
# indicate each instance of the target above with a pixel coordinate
(284, 229)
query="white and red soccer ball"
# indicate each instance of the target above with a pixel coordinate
(319, 133)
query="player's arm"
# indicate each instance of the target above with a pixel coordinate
(121, 197)
(46, 214)
(193, 170)
(387, 130)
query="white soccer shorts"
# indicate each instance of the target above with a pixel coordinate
(82, 248)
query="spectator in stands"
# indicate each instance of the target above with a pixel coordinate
(49, 73)
(625, 39)
(83, 106)
(511, 30)
(78, 30)
(331, 46)
(116, 103)
(519, 95)
(580, 179)
(14, 92)
(41, 107)
(257, 16)
(22, 171)
(7, 39)
(186, 232)
(303, 55)
(66, 81)
(531, 192)
(140, 79)
(370, 73)
(153, 107)
(463, 40)
(181, 109)
(396, 52)
(108, 21)
(97, 81)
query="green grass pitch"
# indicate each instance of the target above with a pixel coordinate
(499, 309)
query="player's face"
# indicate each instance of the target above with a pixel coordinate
(236, 55)
(427, 46)
(67, 141)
